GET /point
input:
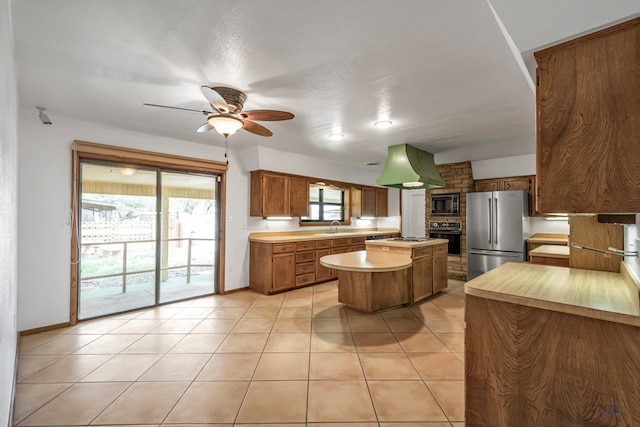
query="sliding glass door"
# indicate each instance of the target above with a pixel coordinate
(146, 236)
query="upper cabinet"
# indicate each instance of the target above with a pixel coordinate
(588, 123)
(369, 202)
(280, 194)
(504, 184)
(276, 194)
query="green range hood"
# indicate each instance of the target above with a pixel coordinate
(410, 168)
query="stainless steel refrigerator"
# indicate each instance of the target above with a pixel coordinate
(497, 229)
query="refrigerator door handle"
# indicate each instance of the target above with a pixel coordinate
(490, 221)
(495, 230)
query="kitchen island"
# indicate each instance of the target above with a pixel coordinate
(390, 273)
(552, 346)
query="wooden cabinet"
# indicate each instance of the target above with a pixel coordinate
(530, 367)
(305, 262)
(322, 273)
(369, 202)
(269, 194)
(356, 244)
(298, 196)
(504, 184)
(272, 267)
(440, 261)
(276, 194)
(588, 104)
(422, 273)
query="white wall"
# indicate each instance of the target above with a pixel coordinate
(505, 166)
(8, 215)
(45, 199)
(631, 236)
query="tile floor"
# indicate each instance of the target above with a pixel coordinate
(293, 359)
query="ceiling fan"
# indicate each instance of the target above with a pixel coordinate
(227, 115)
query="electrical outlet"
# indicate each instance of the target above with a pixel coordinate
(266, 225)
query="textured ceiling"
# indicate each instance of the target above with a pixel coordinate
(444, 72)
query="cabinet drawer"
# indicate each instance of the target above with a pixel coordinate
(305, 279)
(440, 249)
(356, 241)
(280, 248)
(309, 267)
(323, 244)
(342, 250)
(305, 246)
(354, 248)
(340, 242)
(301, 257)
(420, 252)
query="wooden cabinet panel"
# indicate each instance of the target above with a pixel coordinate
(354, 248)
(588, 102)
(306, 256)
(323, 244)
(335, 243)
(440, 260)
(516, 183)
(570, 370)
(322, 273)
(305, 279)
(299, 196)
(306, 245)
(269, 195)
(487, 184)
(382, 203)
(368, 201)
(305, 268)
(355, 202)
(279, 248)
(422, 277)
(284, 271)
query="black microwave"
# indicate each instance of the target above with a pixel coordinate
(445, 204)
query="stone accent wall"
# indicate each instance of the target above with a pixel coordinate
(459, 179)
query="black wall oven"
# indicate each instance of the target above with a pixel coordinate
(450, 230)
(445, 204)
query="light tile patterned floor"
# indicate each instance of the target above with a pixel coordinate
(295, 359)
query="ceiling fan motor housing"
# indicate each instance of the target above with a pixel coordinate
(235, 98)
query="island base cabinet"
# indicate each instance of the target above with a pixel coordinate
(532, 367)
(373, 291)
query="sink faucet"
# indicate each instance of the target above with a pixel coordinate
(331, 230)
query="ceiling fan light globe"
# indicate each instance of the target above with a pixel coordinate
(225, 125)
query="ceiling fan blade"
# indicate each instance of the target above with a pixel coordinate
(256, 128)
(215, 99)
(267, 115)
(205, 127)
(206, 113)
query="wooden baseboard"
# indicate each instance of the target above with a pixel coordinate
(233, 291)
(44, 329)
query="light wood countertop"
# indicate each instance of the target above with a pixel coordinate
(551, 251)
(550, 238)
(405, 244)
(367, 261)
(589, 293)
(297, 236)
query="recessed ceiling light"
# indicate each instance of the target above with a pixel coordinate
(336, 136)
(383, 124)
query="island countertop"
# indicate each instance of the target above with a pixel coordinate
(596, 294)
(367, 261)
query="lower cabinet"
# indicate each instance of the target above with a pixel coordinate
(440, 259)
(422, 273)
(277, 267)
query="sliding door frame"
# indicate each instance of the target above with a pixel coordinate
(82, 150)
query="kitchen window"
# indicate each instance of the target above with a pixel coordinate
(326, 204)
